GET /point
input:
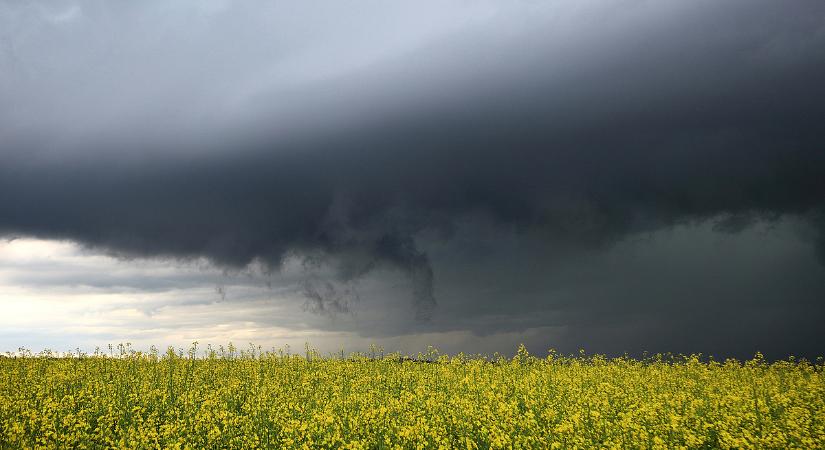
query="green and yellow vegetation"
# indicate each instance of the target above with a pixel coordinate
(227, 398)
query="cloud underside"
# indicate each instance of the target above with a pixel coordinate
(573, 130)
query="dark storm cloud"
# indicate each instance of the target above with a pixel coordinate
(577, 126)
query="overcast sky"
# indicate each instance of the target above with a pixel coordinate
(619, 176)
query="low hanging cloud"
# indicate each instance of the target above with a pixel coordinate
(342, 135)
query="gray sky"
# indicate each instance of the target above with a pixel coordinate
(620, 176)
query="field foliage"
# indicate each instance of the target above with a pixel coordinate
(225, 398)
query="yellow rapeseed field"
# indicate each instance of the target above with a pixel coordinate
(224, 398)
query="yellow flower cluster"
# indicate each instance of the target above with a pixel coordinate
(272, 399)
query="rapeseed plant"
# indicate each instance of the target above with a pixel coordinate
(233, 398)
